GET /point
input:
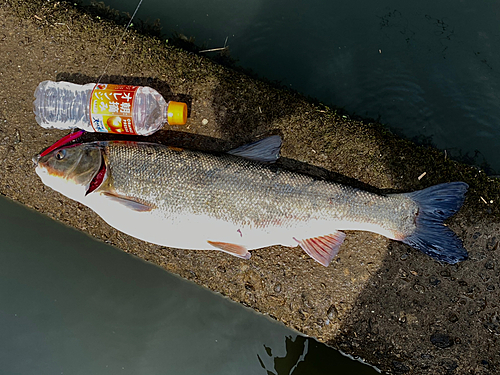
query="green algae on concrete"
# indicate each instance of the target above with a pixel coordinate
(379, 299)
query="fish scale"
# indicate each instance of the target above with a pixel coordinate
(243, 191)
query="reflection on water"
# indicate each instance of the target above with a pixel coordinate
(428, 69)
(72, 305)
(305, 356)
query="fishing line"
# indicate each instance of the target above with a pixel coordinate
(119, 42)
(75, 134)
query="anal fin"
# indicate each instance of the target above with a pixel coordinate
(231, 248)
(323, 248)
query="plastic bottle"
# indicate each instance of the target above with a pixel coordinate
(105, 108)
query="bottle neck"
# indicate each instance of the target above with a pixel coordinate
(165, 113)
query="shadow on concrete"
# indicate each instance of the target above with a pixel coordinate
(419, 316)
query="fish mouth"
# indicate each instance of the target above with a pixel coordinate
(35, 160)
(99, 177)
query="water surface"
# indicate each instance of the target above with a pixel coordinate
(427, 69)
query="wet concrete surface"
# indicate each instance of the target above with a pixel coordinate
(381, 300)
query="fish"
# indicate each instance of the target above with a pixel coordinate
(240, 200)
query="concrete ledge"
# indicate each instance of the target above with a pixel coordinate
(380, 300)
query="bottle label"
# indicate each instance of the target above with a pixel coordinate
(111, 108)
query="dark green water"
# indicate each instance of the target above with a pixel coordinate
(72, 305)
(428, 69)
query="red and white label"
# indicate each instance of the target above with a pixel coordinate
(111, 108)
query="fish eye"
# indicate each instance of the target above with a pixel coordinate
(60, 154)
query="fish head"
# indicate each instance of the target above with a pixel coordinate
(70, 170)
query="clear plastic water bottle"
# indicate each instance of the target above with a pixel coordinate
(105, 108)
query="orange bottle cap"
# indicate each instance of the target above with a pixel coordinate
(177, 113)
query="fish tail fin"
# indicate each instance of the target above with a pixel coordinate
(432, 237)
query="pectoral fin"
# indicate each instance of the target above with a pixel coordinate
(324, 248)
(129, 202)
(231, 248)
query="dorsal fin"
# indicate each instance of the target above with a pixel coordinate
(266, 150)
